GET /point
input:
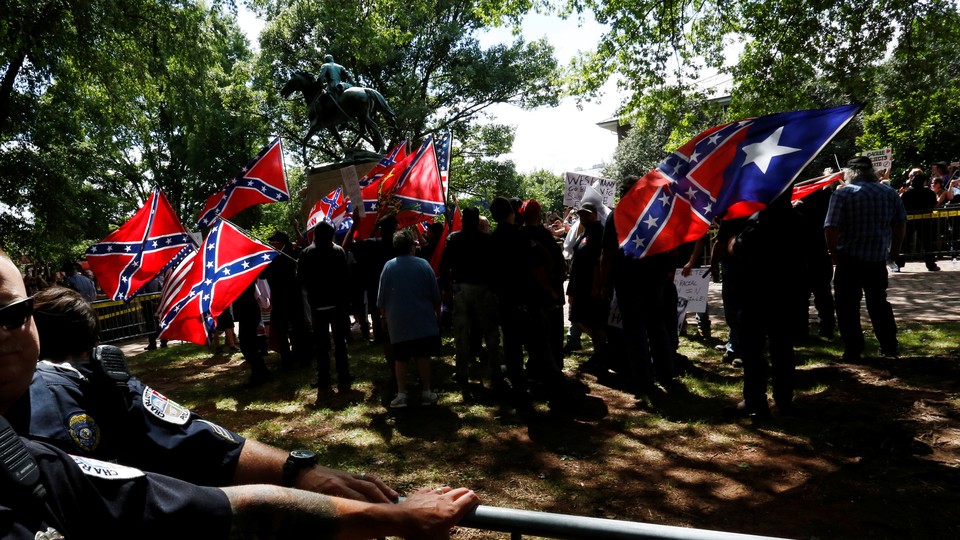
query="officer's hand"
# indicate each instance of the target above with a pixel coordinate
(431, 513)
(360, 487)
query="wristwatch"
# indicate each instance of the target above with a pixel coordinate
(297, 461)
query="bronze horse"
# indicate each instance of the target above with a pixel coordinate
(355, 103)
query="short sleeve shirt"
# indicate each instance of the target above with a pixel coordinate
(865, 212)
(135, 425)
(92, 499)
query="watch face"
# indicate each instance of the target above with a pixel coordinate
(303, 455)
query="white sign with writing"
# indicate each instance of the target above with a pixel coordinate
(882, 158)
(575, 184)
(351, 185)
(693, 288)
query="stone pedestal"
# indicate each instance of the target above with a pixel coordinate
(322, 180)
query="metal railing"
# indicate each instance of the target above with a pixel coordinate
(547, 525)
(936, 233)
(124, 320)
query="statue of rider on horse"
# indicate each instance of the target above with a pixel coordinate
(333, 100)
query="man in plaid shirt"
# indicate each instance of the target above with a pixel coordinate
(864, 227)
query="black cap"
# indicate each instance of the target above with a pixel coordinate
(279, 236)
(860, 162)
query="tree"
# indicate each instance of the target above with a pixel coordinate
(108, 99)
(424, 57)
(917, 106)
(546, 188)
(800, 54)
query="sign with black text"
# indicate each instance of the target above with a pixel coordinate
(575, 185)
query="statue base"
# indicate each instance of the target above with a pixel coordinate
(322, 180)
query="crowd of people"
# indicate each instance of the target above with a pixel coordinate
(505, 290)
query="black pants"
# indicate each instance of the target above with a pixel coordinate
(854, 280)
(289, 323)
(325, 322)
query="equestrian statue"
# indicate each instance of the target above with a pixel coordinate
(333, 100)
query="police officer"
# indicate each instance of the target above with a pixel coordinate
(96, 409)
(46, 494)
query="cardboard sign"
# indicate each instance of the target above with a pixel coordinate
(575, 185)
(693, 288)
(351, 186)
(882, 158)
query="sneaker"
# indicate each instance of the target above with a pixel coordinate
(399, 402)
(427, 398)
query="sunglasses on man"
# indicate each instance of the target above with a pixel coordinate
(15, 315)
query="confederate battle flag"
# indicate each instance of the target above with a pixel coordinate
(262, 181)
(129, 257)
(208, 281)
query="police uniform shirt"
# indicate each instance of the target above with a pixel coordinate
(135, 425)
(91, 499)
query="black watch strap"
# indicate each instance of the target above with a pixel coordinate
(297, 461)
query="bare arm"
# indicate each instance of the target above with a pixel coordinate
(263, 464)
(694, 256)
(262, 511)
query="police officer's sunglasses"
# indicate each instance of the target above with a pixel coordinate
(15, 315)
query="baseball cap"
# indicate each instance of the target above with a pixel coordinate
(279, 236)
(860, 162)
(530, 207)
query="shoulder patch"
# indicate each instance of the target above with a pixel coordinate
(84, 431)
(102, 469)
(163, 408)
(219, 430)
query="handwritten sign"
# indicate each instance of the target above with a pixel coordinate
(882, 158)
(693, 288)
(351, 185)
(575, 184)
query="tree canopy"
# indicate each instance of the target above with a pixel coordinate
(898, 57)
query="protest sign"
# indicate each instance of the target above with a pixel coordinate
(575, 184)
(351, 185)
(693, 288)
(882, 158)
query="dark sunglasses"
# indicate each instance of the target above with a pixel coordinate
(15, 315)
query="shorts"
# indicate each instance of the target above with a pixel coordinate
(424, 347)
(225, 320)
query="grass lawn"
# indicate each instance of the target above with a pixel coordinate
(873, 451)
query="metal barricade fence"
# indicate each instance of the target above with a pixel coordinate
(124, 320)
(936, 232)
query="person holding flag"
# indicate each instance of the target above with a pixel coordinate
(322, 269)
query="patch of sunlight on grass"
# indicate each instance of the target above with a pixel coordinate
(712, 389)
(929, 340)
(227, 404)
(815, 389)
(278, 406)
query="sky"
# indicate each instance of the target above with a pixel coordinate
(559, 139)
